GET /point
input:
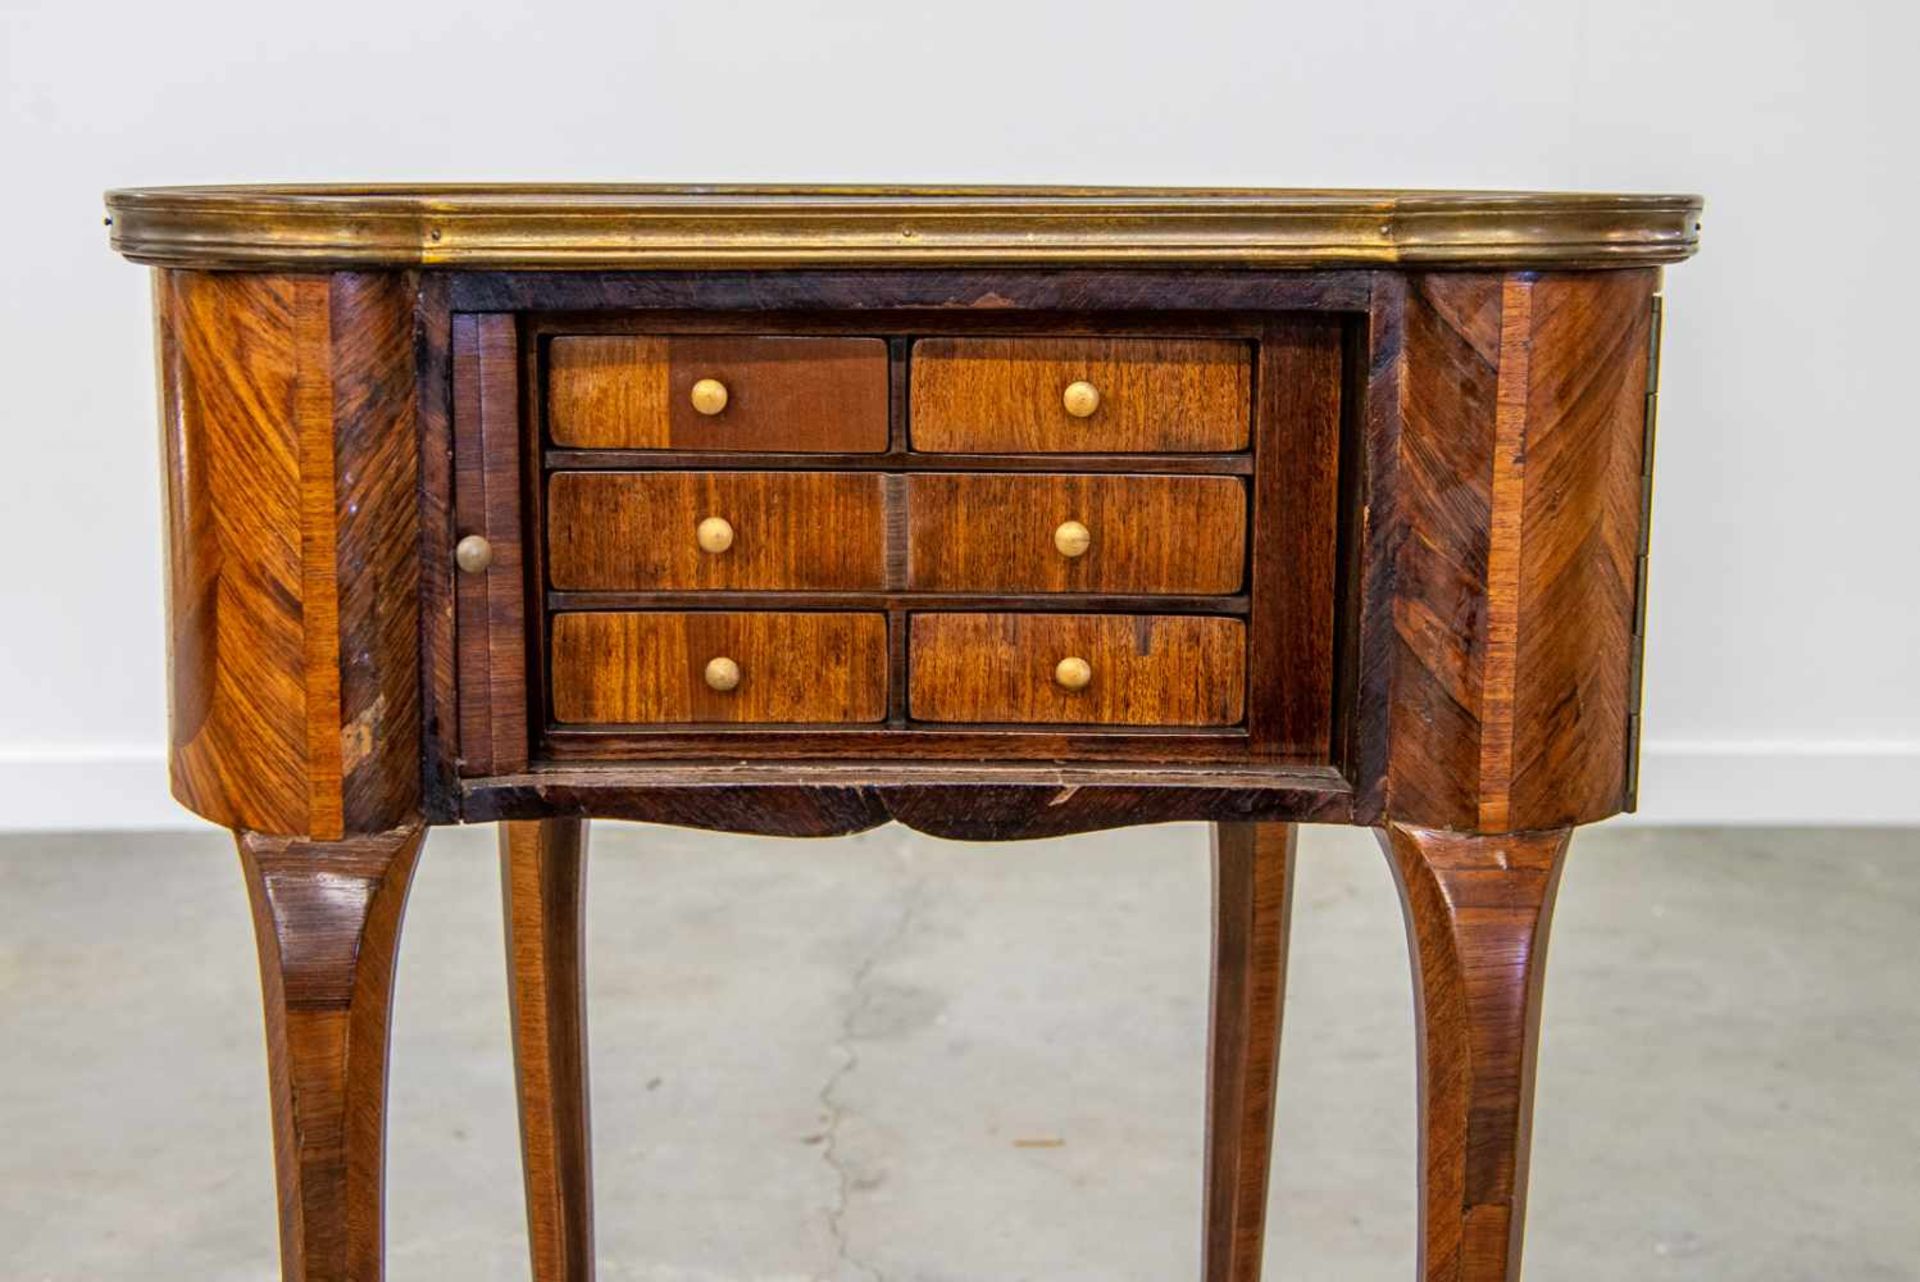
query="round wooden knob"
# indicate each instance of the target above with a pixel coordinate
(709, 396)
(1081, 399)
(723, 674)
(1071, 538)
(1072, 673)
(473, 554)
(715, 534)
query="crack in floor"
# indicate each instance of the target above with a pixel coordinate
(859, 1002)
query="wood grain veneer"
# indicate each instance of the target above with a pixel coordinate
(614, 531)
(1148, 670)
(794, 394)
(1004, 395)
(1518, 486)
(490, 607)
(292, 525)
(1296, 537)
(646, 668)
(1175, 535)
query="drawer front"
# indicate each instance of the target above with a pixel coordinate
(1179, 535)
(1148, 395)
(797, 395)
(645, 668)
(1139, 670)
(750, 531)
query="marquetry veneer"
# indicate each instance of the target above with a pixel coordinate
(998, 513)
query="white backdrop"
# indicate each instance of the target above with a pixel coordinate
(1783, 678)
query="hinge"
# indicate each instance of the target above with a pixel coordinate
(1637, 647)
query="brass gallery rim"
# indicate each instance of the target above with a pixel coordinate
(636, 227)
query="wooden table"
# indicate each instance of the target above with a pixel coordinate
(999, 513)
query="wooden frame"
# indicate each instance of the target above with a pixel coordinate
(1293, 469)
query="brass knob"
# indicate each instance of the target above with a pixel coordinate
(1073, 673)
(709, 396)
(1081, 399)
(715, 534)
(723, 674)
(1072, 538)
(473, 554)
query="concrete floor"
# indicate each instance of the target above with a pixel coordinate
(895, 1058)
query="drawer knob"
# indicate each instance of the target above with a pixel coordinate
(1081, 399)
(1072, 673)
(709, 396)
(1072, 538)
(715, 534)
(723, 674)
(473, 554)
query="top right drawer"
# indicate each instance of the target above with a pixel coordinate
(1081, 395)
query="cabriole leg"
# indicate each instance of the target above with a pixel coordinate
(1253, 892)
(326, 917)
(1477, 910)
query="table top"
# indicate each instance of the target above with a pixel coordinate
(608, 226)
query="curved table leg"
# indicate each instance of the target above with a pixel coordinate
(326, 918)
(1477, 910)
(1253, 893)
(542, 874)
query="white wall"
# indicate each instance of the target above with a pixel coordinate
(1783, 681)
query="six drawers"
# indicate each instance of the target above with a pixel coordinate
(992, 534)
(774, 395)
(1092, 669)
(649, 668)
(1080, 395)
(680, 531)
(1176, 535)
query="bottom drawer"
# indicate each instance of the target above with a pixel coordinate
(649, 668)
(1091, 669)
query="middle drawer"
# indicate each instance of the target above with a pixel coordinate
(961, 533)
(740, 531)
(1179, 535)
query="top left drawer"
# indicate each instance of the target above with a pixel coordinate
(718, 392)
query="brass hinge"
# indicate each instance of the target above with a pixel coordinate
(1637, 647)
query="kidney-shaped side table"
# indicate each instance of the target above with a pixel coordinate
(1000, 513)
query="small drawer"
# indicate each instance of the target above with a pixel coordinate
(1081, 395)
(1090, 669)
(646, 668)
(745, 531)
(1177, 535)
(773, 395)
